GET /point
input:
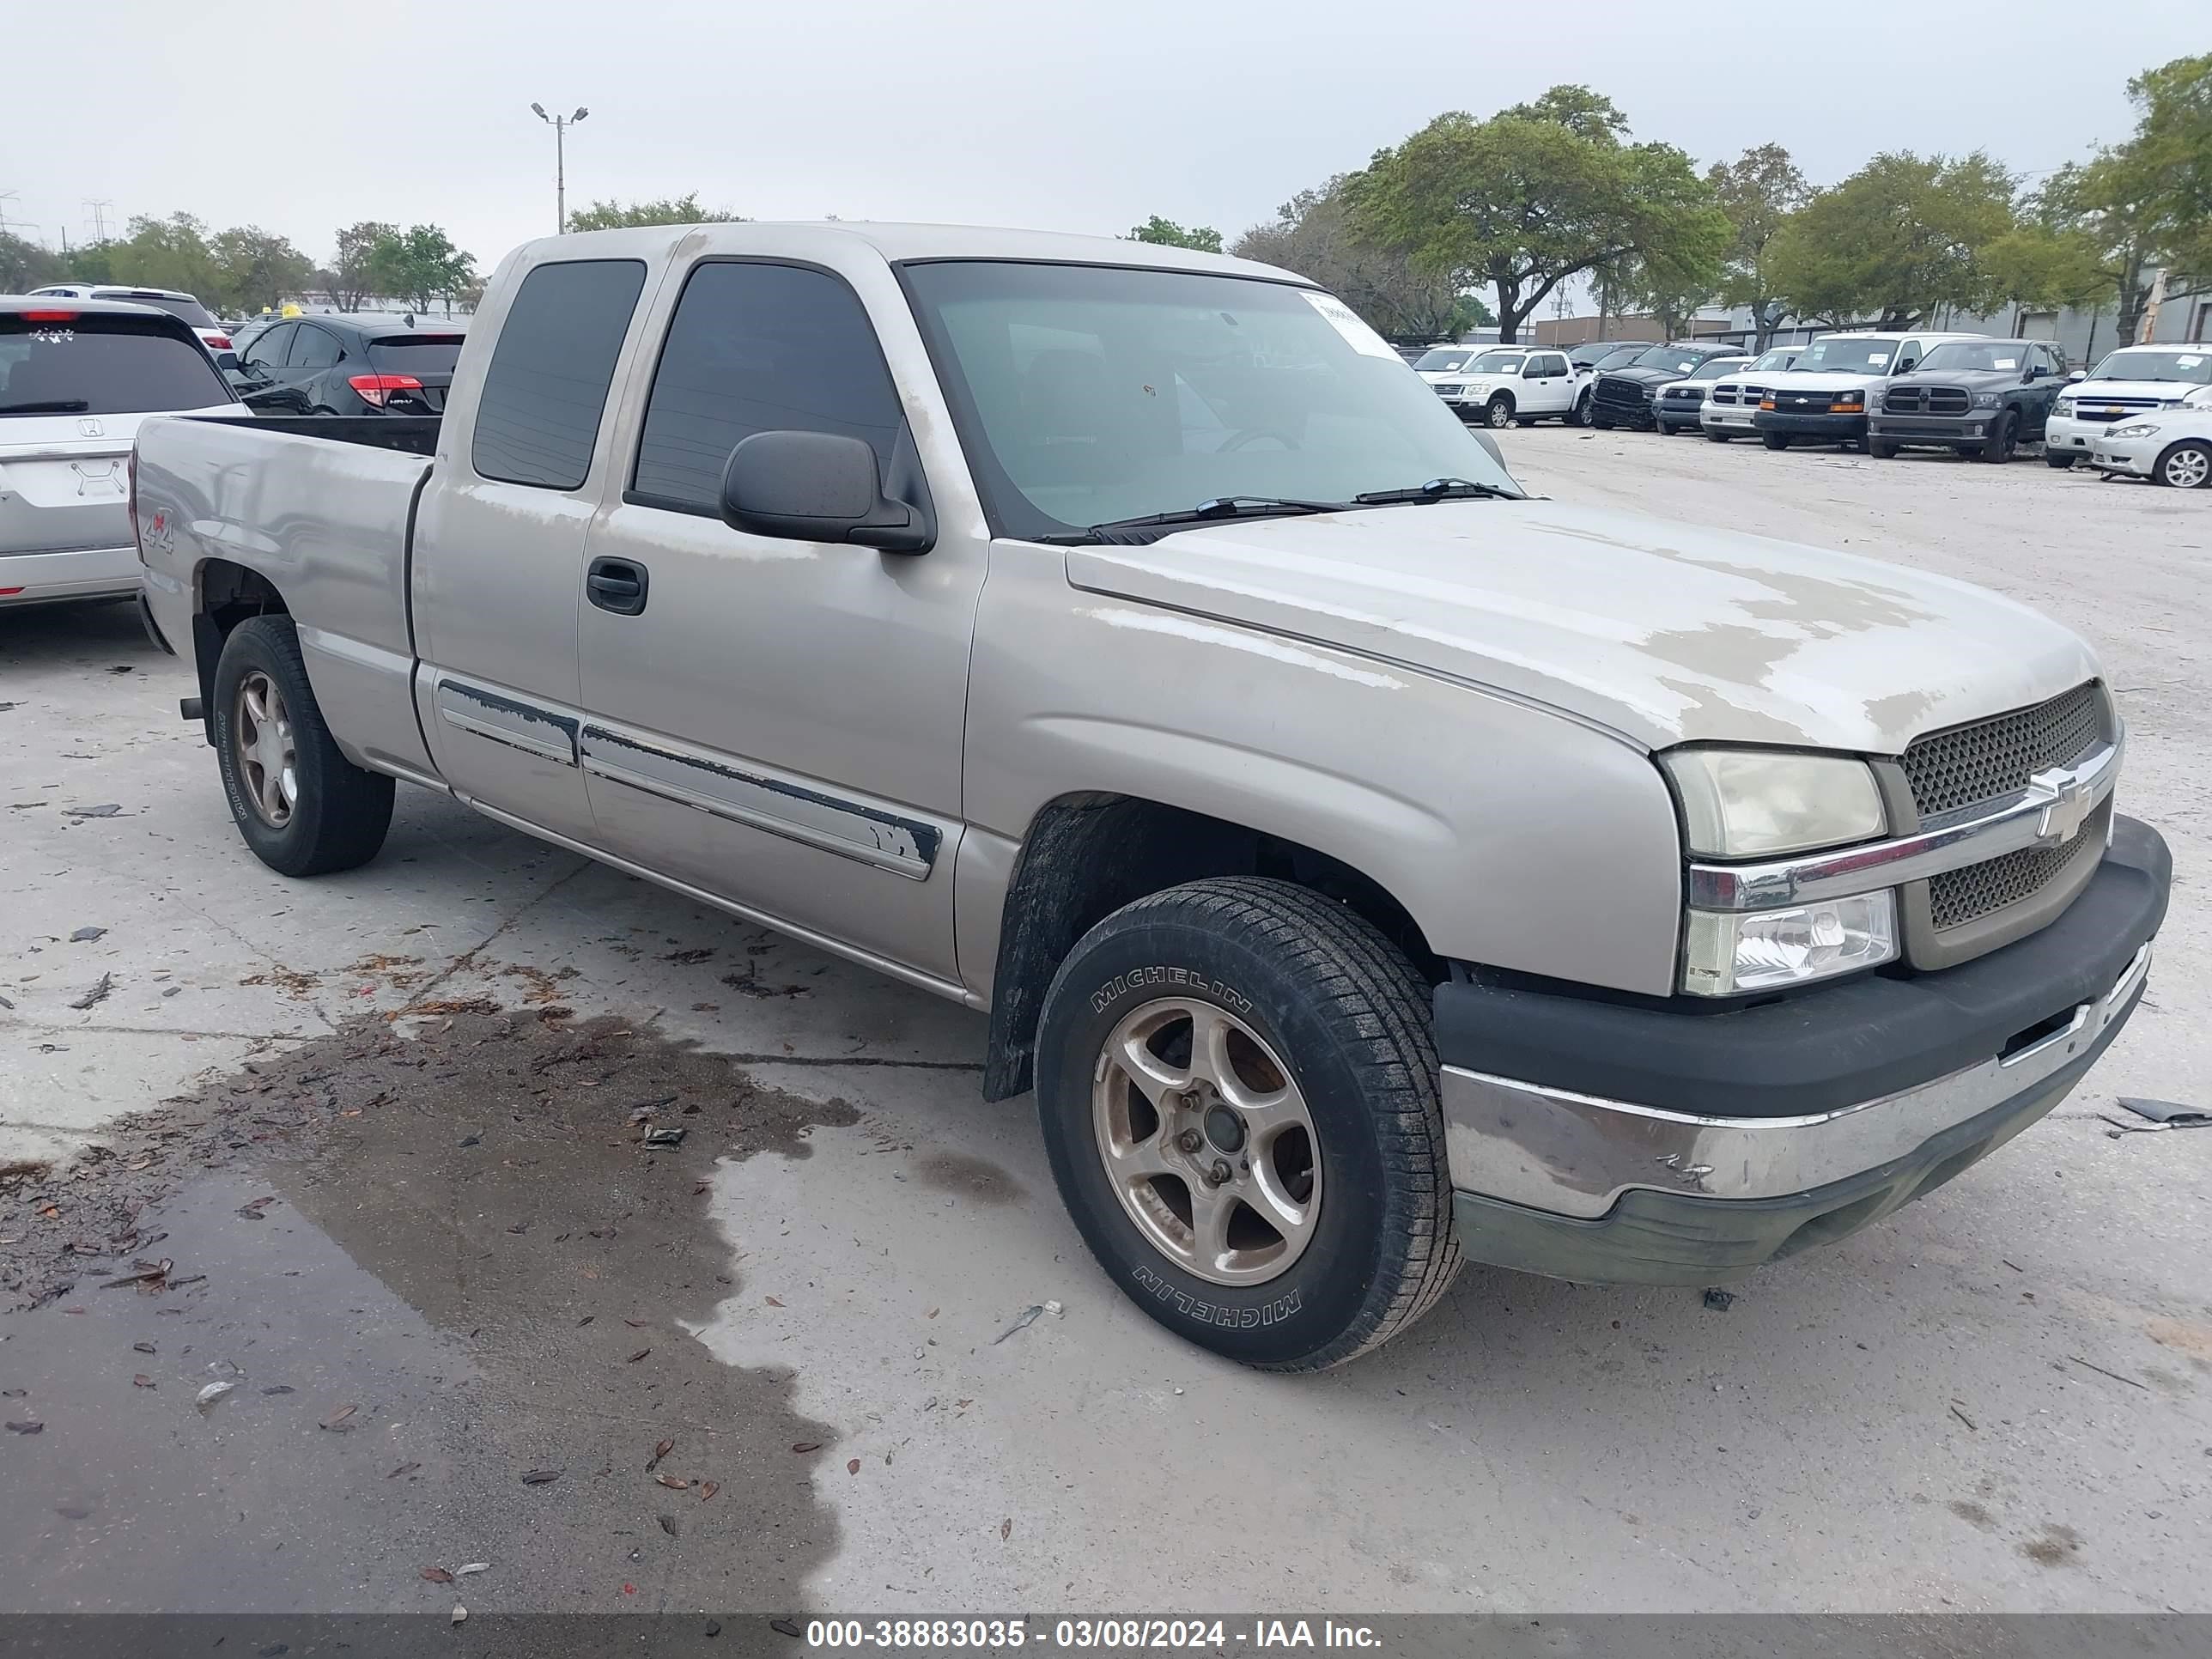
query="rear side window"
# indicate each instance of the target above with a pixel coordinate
(64, 363)
(758, 348)
(550, 369)
(314, 348)
(414, 354)
(185, 310)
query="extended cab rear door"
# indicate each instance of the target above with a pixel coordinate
(778, 722)
(498, 542)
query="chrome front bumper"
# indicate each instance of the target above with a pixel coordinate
(1574, 1154)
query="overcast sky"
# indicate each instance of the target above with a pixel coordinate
(1004, 111)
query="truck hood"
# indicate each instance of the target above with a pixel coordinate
(2089, 392)
(1662, 632)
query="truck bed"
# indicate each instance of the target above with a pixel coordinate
(321, 508)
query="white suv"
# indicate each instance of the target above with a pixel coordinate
(185, 307)
(1502, 385)
(2131, 381)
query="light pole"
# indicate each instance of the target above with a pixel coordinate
(560, 123)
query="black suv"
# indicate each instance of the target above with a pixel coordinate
(1970, 397)
(1624, 395)
(356, 363)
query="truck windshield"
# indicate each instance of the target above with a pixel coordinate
(1091, 394)
(1673, 359)
(1713, 367)
(1781, 357)
(2186, 368)
(1498, 362)
(1849, 356)
(65, 362)
(1442, 361)
(1978, 356)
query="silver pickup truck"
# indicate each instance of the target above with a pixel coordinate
(1366, 862)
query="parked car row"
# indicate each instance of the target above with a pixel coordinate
(2146, 412)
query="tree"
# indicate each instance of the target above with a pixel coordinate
(2044, 267)
(1535, 195)
(420, 264)
(1900, 238)
(24, 264)
(1759, 190)
(258, 269)
(171, 252)
(92, 262)
(350, 278)
(683, 209)
(2174, 139)
(1166, 233)
(1313, 234)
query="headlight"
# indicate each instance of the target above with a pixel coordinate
(2065, 406)
(1986, 400)
(2140, 429)
(1728, 954)
(1748, 803)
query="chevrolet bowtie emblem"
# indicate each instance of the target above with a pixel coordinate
(2067, 808)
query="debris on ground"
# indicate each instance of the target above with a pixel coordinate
(438, 1575)
(2171, 1113)
(404, 1469)
(540, 1477)
(95, 996)
(1028, 1317)
(1718, 1299)
(106, 809)
(639, 1355)
(667, 1524)
(31, 1426)
(851, 1466)
(1054, 1309)
(143, 1347)
(708, 1489)
(784, 1626)
(2101, 1371)
(473, 1566)
(86, 935)
(671, 1135)
(1005, 1529)
(807, 1446)
(1959, 1413)
(336, 1420)
(146, 1275)
(460, 1613)
(659, 1452)
(213, 1391)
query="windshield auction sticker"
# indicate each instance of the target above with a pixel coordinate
(1347, 322)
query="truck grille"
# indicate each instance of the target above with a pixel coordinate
(1995, 758)
(1902, 400)
(1958, 897)
(1614, 393)
(1948, 400)
(1728, 393)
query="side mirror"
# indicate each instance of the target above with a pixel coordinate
(2077, 374)
(818, 487)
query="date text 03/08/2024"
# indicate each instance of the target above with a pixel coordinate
(1091, 1635)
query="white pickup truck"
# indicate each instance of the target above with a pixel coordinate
(1368, 864)
(1504, 386)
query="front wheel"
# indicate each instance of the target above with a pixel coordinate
(1579, 415)
(1498, 411)
(1998, 449)
(1882, 449)
(2185, 466)
(1598, 423)
(301, 806)
(1775, 439)
(2061, 460)
(1237, 1086)
(1713, 434)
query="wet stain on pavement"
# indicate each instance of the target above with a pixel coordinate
(965, 1176)
(463, 1235)
(2054, 1546)
(1972, 1514)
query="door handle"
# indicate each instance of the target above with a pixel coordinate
(617, 584)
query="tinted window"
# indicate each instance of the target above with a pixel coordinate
(112, 365)
(189, 311)
(314, 348)
(269, 347)
(550, 368)
(414, 354)
(759, 348)
(1441, 361)
(2135, 363)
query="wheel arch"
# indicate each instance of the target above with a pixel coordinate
(1086, 854)
(225, 594)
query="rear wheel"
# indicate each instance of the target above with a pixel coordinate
(2060, 459)
(301, 806)
(1999, 448)
(1775, 439)
(1497, 411)
(2185, 466)
(1237, 1087)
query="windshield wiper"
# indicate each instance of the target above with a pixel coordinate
(1206, 512)
(49, 406)
(1437, 489)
